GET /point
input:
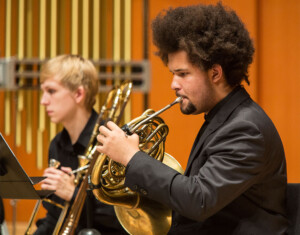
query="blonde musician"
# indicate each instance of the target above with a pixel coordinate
(69, 84)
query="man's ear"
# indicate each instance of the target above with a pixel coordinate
(79, 94)
(216, 73)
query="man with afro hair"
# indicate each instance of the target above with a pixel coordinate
(235, 179)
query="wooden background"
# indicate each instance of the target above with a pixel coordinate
(275, 81)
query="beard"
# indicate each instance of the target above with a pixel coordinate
(189, 109)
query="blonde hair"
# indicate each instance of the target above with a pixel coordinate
(73, 71)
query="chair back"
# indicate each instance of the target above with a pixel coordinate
(293, 208)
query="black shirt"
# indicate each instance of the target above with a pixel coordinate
(104, 218)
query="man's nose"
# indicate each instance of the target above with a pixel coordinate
(175, 85)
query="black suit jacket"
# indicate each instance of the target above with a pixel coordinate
(235, 179)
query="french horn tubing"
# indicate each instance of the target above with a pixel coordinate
(137, 214)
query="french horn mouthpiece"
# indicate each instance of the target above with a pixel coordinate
(178, 99)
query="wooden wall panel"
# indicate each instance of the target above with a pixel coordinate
(137, 51)
(279, 76)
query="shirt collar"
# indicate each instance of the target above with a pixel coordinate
(209, 116)
(84, 137)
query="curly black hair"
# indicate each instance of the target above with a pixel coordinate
(210, 34)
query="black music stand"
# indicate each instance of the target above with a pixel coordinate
(14, 182)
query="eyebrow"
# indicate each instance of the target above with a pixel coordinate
(179, 70)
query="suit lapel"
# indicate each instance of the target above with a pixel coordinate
(216, 122)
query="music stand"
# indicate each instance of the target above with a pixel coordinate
(14, 182)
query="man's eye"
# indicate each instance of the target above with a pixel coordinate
(182, 74)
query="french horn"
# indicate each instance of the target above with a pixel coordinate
(136, 213)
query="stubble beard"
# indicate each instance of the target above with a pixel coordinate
(209, 103)
(190, 109)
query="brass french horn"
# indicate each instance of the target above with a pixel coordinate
(137, 214)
